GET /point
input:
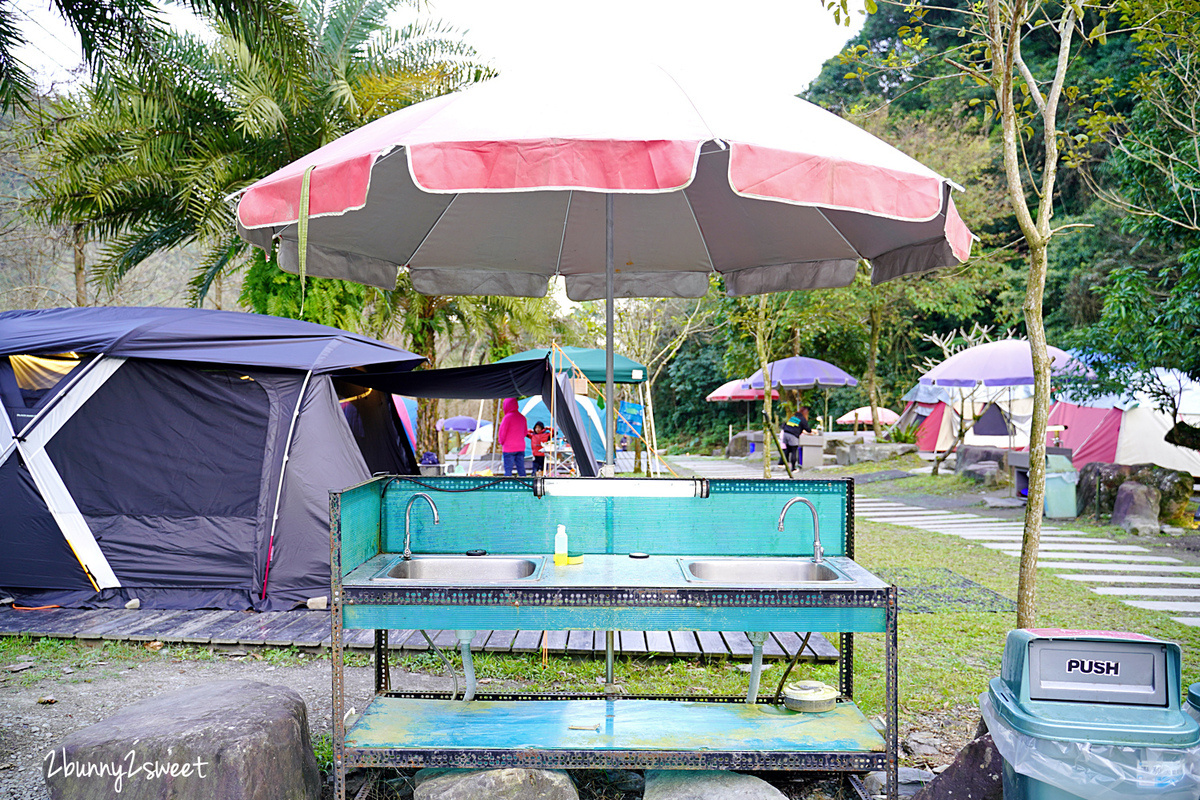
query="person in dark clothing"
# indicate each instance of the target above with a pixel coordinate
(795, 425)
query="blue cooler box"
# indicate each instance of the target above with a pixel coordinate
(1092, 714)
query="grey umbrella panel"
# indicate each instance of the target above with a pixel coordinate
(665, 244)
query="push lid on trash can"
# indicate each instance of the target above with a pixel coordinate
(1103, 687)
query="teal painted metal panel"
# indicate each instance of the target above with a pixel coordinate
(859, 620)
(397, 724)
(738, 517)
(359, 524)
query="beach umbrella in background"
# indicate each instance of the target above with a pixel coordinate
(862, 415)
(1006, 363)
(737, 389)
(802, 372)
(459, 424)
(624, 180)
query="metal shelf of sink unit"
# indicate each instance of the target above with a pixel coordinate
(369, 606)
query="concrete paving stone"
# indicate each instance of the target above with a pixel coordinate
(1099, 547)
(1165, 605)
(1170, 580)
(1015, 537)
(1086, 565)
(1193, 621)
(1146, 591)
(1051, 555)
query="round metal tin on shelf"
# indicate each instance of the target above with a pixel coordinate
(810, 696)
(639, 555)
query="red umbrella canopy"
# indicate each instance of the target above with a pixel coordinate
(497, 188)
(737, 390)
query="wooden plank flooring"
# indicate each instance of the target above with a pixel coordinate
(310, 629)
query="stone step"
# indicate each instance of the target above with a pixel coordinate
(1050, 555)
(1146, 591)
(1016, 537)
(1161, 568)
(1192, 621)
(1163, 579)
(1165, 605)
(1098, 547)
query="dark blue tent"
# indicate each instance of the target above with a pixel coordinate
(181, 456)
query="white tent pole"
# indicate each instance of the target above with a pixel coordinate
(609, 409)
(471, 446)
(287, 448)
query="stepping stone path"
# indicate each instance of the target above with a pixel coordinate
(1154, 582)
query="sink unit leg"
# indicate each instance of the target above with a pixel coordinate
(609, 688)
(383, 674)
(758, 639)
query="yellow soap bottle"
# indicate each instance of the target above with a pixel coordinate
(560, 546)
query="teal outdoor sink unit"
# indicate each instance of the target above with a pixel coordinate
(1085, 714)
(658, 555)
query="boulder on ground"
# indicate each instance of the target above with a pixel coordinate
(874, 451)
(910, 782)
(1136, 508)
(683, 784)
(969, 454)
(739, 445)
(229, 739)
(1174, 486)
(985, 472)
(494, 784)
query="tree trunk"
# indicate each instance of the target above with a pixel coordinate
(1027, 580)
(424, 343)
(760, 344)
(81, 299)
(872, 360)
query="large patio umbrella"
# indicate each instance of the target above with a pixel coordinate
(590, 361)
(738, 389)
(625, 181)
(802, 372)
(1008, 362)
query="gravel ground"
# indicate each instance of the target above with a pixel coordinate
(29, 729)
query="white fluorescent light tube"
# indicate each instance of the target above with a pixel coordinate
(621, 487)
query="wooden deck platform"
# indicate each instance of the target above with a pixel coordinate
(310, 629)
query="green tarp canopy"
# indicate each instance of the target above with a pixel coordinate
(589, 361)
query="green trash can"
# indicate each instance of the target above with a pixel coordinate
(1061, 480)
(1192, 707)
(1092, 714)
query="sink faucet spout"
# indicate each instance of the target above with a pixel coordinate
(407, 521)
(818, 550)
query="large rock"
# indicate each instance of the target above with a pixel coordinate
(858, 453)
(984, 472)
(969, 454)
(229, 739)
(1174, 486)
(975, 774)
(910, 781)
(1136, 508)
(493, 784)
(739, 445)
(671, 784)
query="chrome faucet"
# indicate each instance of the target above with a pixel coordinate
(818, 551)
(408, 514)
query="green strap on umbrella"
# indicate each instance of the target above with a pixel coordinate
(302, 231)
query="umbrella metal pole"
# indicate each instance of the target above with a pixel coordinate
(609, 409)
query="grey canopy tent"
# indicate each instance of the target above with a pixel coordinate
(184, 457)
(179, 456)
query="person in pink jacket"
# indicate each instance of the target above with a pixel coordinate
(513, 430)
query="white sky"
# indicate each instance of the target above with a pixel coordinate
(773, 44)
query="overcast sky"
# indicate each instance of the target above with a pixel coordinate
(775, 44)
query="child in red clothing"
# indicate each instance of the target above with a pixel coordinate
(539, 436)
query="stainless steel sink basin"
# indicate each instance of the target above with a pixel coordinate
(463, 569)
(755, 571)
